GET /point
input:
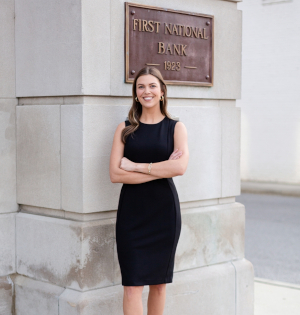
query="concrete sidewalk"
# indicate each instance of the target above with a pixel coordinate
(276, 298)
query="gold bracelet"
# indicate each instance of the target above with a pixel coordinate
(149, 167)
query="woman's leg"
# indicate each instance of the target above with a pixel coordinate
(156, 299)
(132, 300)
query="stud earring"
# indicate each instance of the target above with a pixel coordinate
(136, 99)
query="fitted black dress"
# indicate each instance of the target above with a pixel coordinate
(148, 219)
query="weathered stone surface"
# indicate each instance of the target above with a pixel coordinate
(211, 235)
(77, 255)
(74, 252)
(207, 290)
(217, 289)
(36, 297)
(244, 287)
(8, 154)
(7, 244)
(6, 296)
(38, 155)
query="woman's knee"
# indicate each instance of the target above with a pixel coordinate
(159, 288)
(133, 291)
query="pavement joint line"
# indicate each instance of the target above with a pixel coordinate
(277, 283)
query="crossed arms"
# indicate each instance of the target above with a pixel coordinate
(122, 170)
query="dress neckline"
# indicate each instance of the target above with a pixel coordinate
(155, 123)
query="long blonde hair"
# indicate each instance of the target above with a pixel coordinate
(135, 111)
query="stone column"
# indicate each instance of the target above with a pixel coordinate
(71, 96)
(8, 204)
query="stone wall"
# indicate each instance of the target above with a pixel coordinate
(8, 204)
(270, 151)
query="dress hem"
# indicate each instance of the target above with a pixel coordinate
(147, 282)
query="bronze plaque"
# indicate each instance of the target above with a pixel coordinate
(179, 44)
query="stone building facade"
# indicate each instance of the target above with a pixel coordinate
(270, 151)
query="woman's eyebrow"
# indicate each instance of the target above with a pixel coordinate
(143, 84)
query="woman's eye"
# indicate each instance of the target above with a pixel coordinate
(153, 86)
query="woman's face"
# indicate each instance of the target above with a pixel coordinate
(148, 90)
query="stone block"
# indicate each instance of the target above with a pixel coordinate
(207, 290)
(7, 244)
(96, 18)
(36, 297)
(244, 287)
(6, 296)
(48, 48)
(87, 135)
(8, 154)
(72, 158)
(77, 255)
(7, 49)
(231, 131)
(202, 179)
(38, 155)
(210, 235)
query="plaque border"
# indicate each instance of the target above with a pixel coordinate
(170, 82)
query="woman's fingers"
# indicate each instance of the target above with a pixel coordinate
(175, 155)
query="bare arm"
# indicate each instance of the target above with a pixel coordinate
(169, 168)
(118, 175)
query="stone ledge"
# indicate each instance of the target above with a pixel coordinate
(7, 243)
(111, 214)
(270, 188)
(36, 297)
(225, 289)
(6, 296)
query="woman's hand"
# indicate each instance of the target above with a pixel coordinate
(127, 165)
(175, 155)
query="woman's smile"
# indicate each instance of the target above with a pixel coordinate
(148, 98)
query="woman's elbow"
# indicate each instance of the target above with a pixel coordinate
(113, 177)
(181, 171)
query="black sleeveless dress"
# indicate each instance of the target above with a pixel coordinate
(148, 219)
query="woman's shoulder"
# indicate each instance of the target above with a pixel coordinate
(121, 126)
(173, 119)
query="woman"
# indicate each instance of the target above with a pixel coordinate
(148, 150)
